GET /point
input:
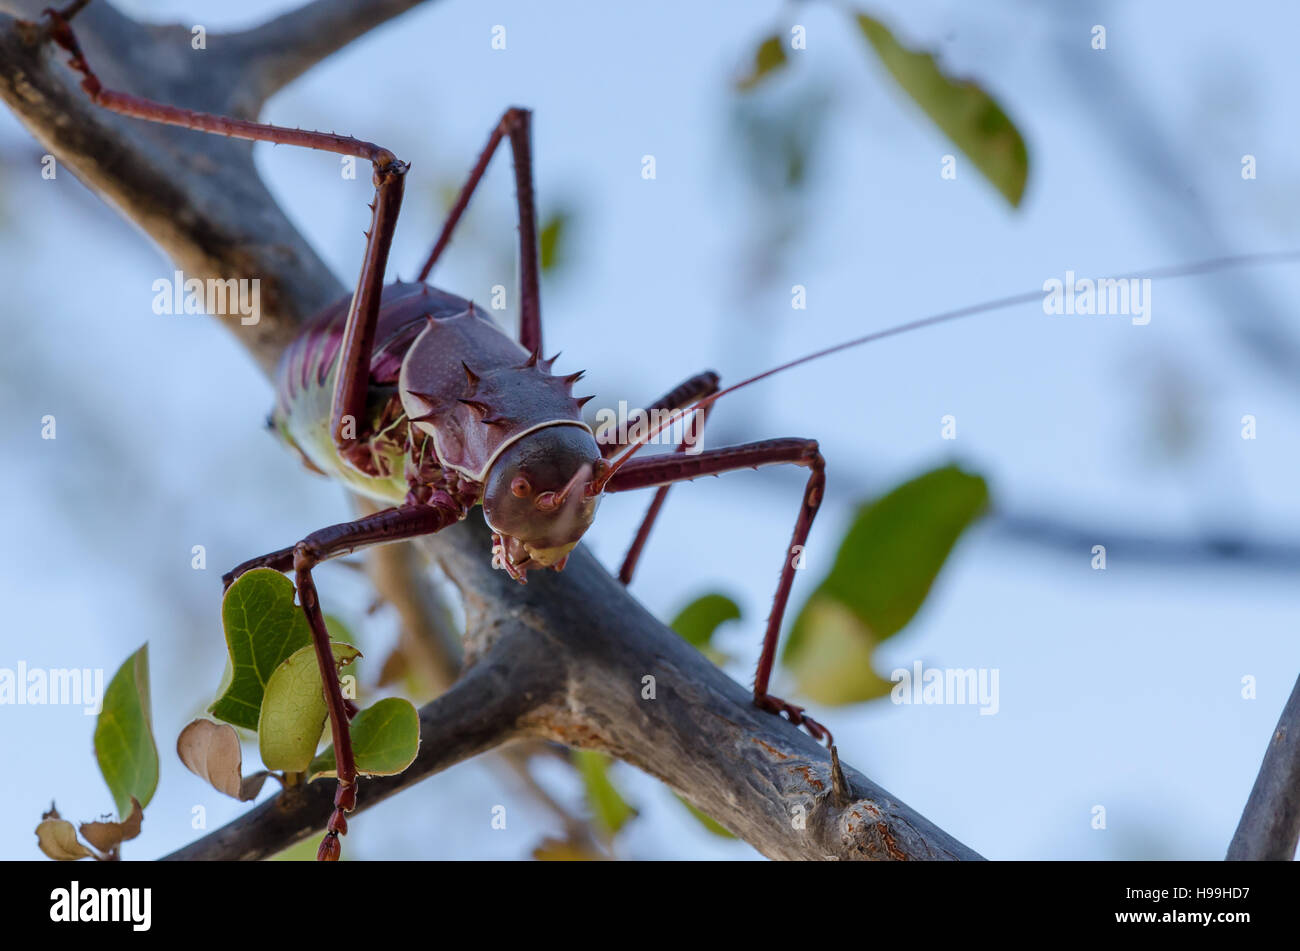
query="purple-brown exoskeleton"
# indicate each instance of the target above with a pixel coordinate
(412, 396)
(415, 397)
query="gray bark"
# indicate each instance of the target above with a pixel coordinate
(1270, 824)
(564, 658)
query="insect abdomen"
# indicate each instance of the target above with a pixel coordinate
(305, 387)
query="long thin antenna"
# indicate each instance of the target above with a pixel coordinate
(1160, 273)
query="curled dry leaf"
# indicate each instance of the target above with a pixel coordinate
(212, 752)
(107, 836)
(57, 838)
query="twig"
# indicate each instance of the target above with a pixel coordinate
(478, 713)
(277, 52)
(1148, 548)
(571, 657)
(427, 636)
(1270, 825)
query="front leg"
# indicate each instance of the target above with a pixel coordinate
(680, 398)
(665, 470)
(390, 525)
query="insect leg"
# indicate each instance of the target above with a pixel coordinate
(516, 123)
(665, 470)
(351, 385)
(395, 524)
(140, 108)
(686, 393)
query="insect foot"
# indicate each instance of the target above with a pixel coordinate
(795, 715)
(345, 800)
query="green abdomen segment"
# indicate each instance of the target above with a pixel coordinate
(305, 386)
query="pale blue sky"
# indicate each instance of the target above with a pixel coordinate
(1119, 688)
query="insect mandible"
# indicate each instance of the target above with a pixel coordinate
(414, 397)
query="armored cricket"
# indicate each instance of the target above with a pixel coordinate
(414, 397)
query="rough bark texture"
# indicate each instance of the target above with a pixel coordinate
(1270, 823)
(564, 658)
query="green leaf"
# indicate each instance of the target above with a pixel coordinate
(707, 821)
(608, 807)
(833, 661)
(339, 631)
(294, 711)
(263, 628)
(769, 56)
(124, 743)
(385, 739)
(551, 240)
(883, 571)
(304, 851)
(698, 620)
(965, 113)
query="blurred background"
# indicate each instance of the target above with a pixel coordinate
(1121, 688)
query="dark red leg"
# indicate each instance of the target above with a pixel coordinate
(390, 525)
(684, 395)
(665, 470)
(349, 424)
(348, 420)
(394, 524)
(516, 123)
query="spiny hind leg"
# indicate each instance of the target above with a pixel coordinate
(517, 124)
(665, 470)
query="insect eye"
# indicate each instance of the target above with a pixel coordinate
(520, 486)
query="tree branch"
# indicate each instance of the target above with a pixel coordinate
(565, 658)
(277, 52)
(1123, 544)
(427, 634)
(1270, 825)
(479, 712)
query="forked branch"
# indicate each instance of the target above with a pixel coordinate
(571, 657)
